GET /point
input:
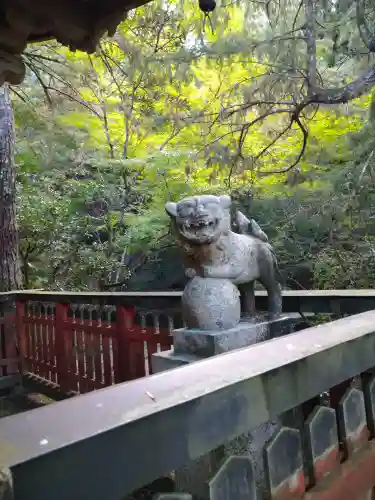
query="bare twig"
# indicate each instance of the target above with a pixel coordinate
(305, 134)
(75, 99)
(362, 24)
(310, 44)
(35, 70)
(297, 14)
(277, 137)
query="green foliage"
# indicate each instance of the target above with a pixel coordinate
(167, 109)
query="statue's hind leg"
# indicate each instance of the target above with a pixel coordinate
(247, 299)
(275, 300)
(270, 282)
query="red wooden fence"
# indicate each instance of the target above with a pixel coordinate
(84, 341)
(79, 350)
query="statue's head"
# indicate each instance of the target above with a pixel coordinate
(201, 219)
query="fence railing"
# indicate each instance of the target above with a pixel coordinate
(78, 342)
(80, 347)
(130, 434)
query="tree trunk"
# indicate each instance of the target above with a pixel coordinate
(10, 269)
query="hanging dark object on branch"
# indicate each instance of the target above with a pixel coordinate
(207, 6)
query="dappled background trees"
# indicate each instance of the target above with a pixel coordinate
(269, 101)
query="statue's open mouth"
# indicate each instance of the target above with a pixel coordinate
(198, 227)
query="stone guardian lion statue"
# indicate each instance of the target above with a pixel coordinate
(212, 250)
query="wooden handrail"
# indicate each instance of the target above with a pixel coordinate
(135, 432)
(349, 293)
(314, 301)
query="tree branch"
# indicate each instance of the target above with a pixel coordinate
(344, 94)
(45, 88)
(305, 135)
(310, 33)
(362, 24)
(297, 14)
(277, 137)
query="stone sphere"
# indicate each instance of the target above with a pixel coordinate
(211, 304)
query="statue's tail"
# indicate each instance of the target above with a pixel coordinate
(250, 227)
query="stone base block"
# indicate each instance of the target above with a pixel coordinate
(166, 360)
(204, 343)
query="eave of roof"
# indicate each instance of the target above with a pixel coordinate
(77, 24)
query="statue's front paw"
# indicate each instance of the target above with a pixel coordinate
(190, 273)
(205, 272)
